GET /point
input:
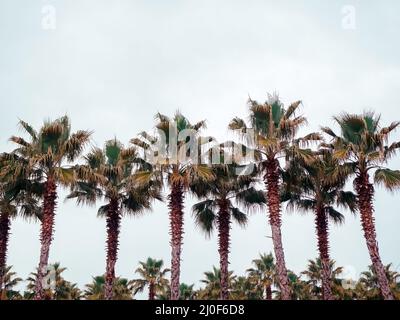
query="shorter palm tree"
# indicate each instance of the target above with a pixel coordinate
(368, 284)
(315, 276)
(10, 282)
(152, 276)
(56, 287)
(186, 292)
(311, 186)
(263, 274)
(212, 281)
(224, 195)
(96, 289)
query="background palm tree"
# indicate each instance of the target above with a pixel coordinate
(152, 276)
(309, 186)
(45, 155)
(224, 195)
(263, 274)
(212, 281)
(363, 148)
(96, 289)
(275, 128)
(10, 282)
(368, 284)
(107, 174)
(55, 287)
(315, 275)
(169, 159)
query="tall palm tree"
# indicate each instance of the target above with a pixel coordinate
(169, 160)
(363, 148)
(46, 154)
(107, 175)
(224, 195)
(96, 289)
(275, 128)
(309, 186)
(263, 274)
(152, 276)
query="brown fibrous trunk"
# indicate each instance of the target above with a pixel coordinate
(46, 235)
(5, 225)
(152, 293)
(274, 207)
(113, 221)
(365, 193)
(321, 223)
(224, 223)
(175, 206)
(268, 293)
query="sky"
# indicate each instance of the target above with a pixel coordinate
(112, 65)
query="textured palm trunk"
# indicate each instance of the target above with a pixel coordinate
(365, 193)
(152, 292)
(224, 226)
(321, 223)
(113, 222)
(268, 293)
(5, 225)
(46, 235)
(175, 206)
(274, 207)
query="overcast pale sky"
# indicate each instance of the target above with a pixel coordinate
(111, 65)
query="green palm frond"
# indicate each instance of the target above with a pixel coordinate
(388, 178)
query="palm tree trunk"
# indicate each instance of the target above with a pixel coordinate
(113, 222)
(365, 193)
(5, 225)
(321, 222)
(175, 206)
(274, 207)
(152, 293)
(46, 234)
(268, 292)
(224, 226)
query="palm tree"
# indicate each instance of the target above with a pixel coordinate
(212, 290)
(46, 154)
(245, 288)
(311, 187)
(263, 274)
(18, 195)
(219, 209)
(300, 289)
(56, 287)
(107, 175)
(186, 292)
(370, 284)
(169, 159)
(315, 274)
(275, 128)
(10, 281)
(152, 276)
(363, 148)
(96, 289)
